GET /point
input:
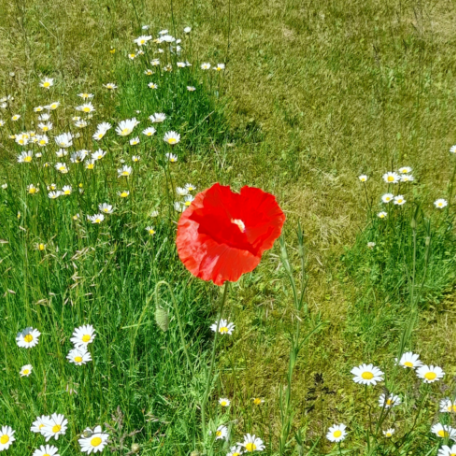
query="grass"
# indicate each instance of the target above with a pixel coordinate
(314, 94)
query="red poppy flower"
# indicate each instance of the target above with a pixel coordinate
(223, 234)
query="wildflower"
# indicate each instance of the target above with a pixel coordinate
(42, 140)
(171, 157)
(16, 117)
(47, 450)
(257, 400)
(167, 38)
(190, 187)
(61, 167)
(86, 107)
(155, 62)
(149, 131)
(399, 200)
(181, 191)
(93, 441)
(154, 214)
(389, 432)
(405, 170)
(75, 217)
(83, 335)
(44, 117)
(135, 158)
(28, 337)
(410, 359)
(45, 126)
(125, 127)
(110, 86)
(2, 122)
(26, 370)
(223, 327)
(407, 178)
(444, 431)
(66, 190)
(236, 451)
(149, 72)
(221, 433)
(180, 65)
(367, 374)
(54, 195)
(31, 189)
(132, 56)
(22, 139)
(98, 135)
(125, 171)
(447, 451)
(150, 230)
(157, 117)
(187, 29)
(85, 95)
(54, 426)
(52, 187)
(430, 374)
(38, 109)
(79, 356)
(389, 400)
(251, 221)
(371, 245)
(96, 219)
(142, 40)
(151, 85)
(123, 193)
(447, 405)
(179, 207)
(188, 200)
(40, 246)
(4, 186)
(382, 215)
(336, 433)
(47, 83)
(206, 66)
(53, 106)
(440, 203)
(252, 443)
(98, 155)
(89, 164)
(25, 157)
(39, 424)
(134, 141)
(163, 32)
(219, 67)
(224, 402)
(64, 140)
(6, 437)
(106, 208)
(391, 178)
(79, 156)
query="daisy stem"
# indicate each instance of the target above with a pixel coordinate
(211, 366)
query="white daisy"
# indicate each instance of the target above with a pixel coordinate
(363, 178)
(407, 178)
(106, 208)
(444, 431)
(134, 141)
(64, 140)
(336, 433)
(85, 95)
(389, 401)
(46, 450)
(252, 443)
(135, 158)
(54, 194)
(178, 206)
(430, 374)
(149, 131)
(190, 187)
(125, 127)
(223, 327)
(440, 203)
(26, 370)
(181, 191)
(410, 359)
(67, 190)
(389, 432)
(123, 193)
(221, 433)
(61, 167)
(53, 106)
(236, 451)
(219, 67)
(224, 402)
(110, 86)
(447, 406)
(54, 426)
(83, 335)
(447, 451)
(93, 441)
(399, 200)
(171, 157)
(171, 137)
(6, 437)
(150, 230)
(191, 88)
(86, 107)
(453, 149)
(391, 178)
(367, 374)
(98, 155)
(187, 29)
(206, 66)
(39, 423)
(151, 85)
(28, 338)
(382, 215)
(142, 40)
(125, 171)
(47, 83)
(25, 157)
(387, 197)
(155, 62)
(405, 170)
(96, 219)
(158, 117)
(79, 356)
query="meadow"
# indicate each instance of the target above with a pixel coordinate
(115, 115)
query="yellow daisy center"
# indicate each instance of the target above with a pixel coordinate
(42, 142)
(257, 401)
(187, 203)
(45, 128)
(250, 446)
(337, 434)
(25, 371)
(28, 338)
(172, 140)
(125, 173)
(453, 409)
(46, 84)
(4, 439)
(86, 109)
(223, 403)
(223, 330)
(90, 166)
(53, 106)
(86, 337)
(389, 402)
(41, 426)
(66, 192)
(56, 428)
(124, 194)
(46, 454)
(125, 131)
(442, 433)
(408, 364)
(97, 220)
(32, 190)
(430, 376)
(151, 232)
(389, 434)
(41, 246)
(390, 178)
(78, 359)
(218, 433)
(367, 375)
(28, 159)
(96, 441)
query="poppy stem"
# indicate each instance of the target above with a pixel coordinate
(211, 366)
